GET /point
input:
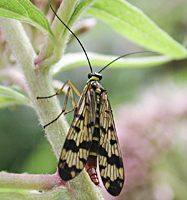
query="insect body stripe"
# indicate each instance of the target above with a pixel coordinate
(98, 91)
(93, 154)
(95, 138)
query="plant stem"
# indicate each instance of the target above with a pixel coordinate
(38, 84)
(30, 181)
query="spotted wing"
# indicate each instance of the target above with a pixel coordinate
(110, 161)
(78, 141)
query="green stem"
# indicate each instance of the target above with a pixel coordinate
(38, 81)
(38, 84)
(29, 181)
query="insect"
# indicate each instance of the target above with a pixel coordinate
(92, 135)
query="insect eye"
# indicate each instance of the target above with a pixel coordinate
(98, 76)
(90, 75)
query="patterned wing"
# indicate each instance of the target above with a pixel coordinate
(110, 161)
(79, 139)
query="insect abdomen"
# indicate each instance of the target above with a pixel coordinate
(91, 164)
(93, 174)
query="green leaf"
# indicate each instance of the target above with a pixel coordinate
(80, 8)
(78, 59)
(9, 97)
(132, 23)
(25, 11)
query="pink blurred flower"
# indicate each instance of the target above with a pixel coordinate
(146, 133)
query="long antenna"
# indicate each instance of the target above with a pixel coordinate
(76, 38)
(122, 57)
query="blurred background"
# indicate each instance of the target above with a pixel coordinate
(150, 109)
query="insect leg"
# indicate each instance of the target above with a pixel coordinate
(59, 91)
(72, 102)
(70, 90)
